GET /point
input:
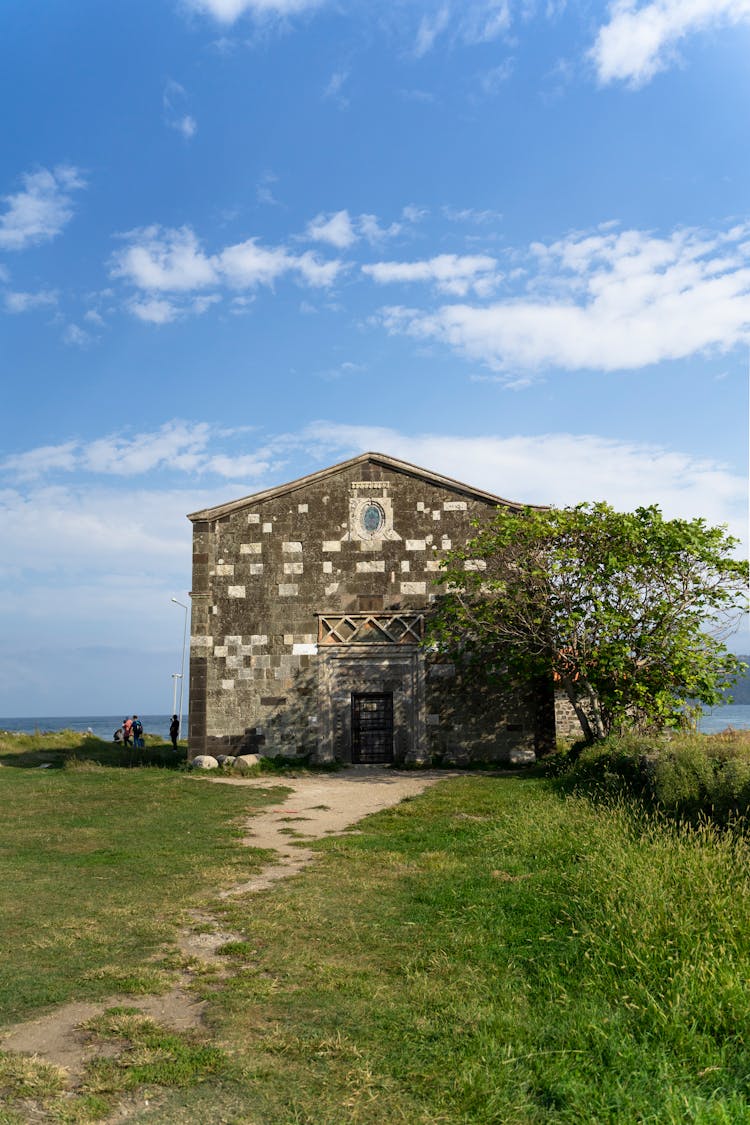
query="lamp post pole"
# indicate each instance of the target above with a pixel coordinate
(175, 677)
(182, 666)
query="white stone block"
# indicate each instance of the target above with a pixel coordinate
(291, 548)
(288, 589)
(304, 650)
(420, 506)
(405, 564)
(225, 570)
(256, 568)
(331, 545)
(302, 508)
(432, 564)
(293, 568)
(413, 587)
(253, 517)
(258, 639)
(415, 545)
(372, 566)
(267, 528)
(475, 564)
(201, 642)
(288, 639)
(227, 685)
(328, 567)
(445, 543)
(455, 505)
(246, 760)
(436, 514)
(250, 548)
(236, 591)
(332, 589)
(521, 758)
(220, 650)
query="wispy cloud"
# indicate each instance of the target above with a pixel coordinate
(174, 101)
(75, 336)
(604, 300)
(640, 40)
(335, 85)
(184, 447)
(229, 11)
(470, 22)
(449, 273)
(25, 302)
(38, 212)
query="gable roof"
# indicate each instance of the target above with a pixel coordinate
(363, 459)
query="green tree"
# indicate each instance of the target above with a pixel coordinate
(627, 610)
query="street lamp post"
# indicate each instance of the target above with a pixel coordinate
(175, 677)
(182, 666)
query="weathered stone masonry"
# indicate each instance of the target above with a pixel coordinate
(308, 615)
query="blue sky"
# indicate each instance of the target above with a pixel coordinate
(244, 239)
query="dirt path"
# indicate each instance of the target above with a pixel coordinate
(316, 806)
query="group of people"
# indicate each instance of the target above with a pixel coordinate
(131, 732)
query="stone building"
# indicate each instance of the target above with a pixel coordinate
(308, 616)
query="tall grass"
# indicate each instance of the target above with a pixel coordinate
(493, 952)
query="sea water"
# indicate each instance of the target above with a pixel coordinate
(103, 726)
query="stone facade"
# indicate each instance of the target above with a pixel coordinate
(308, 613)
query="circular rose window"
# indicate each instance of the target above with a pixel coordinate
(373, 518)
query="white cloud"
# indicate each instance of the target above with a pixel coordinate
(41, 209)
(24, 302)
(168, 260)
(559, 468)
(638, 42)
(154, 310)
(342, 230)
(450, 273)
(370, 228)
(335, 229)
(228, 11)
(165, 263)
(607, 301)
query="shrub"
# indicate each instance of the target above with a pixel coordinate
(689, 776)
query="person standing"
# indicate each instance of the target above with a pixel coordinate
(127, 730)
(174, 731)
(138, 733)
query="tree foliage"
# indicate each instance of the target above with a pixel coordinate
(627, 610)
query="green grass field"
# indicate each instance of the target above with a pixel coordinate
(493, 951)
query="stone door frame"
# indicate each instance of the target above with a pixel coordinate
(380, 668)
